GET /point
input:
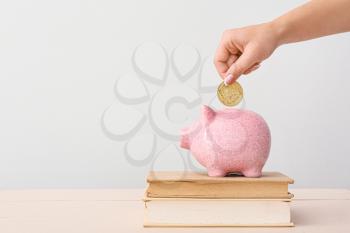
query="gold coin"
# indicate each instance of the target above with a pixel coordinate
(230, 95)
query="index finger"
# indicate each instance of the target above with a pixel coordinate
(224, 58)
(220, 60)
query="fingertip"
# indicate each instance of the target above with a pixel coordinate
(228, 79)
(232, 73)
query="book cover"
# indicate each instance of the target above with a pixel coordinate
(200, 185)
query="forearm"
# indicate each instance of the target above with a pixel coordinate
(314, 19)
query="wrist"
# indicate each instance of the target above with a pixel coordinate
(279, 30)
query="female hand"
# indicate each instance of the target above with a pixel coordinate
(242, 50)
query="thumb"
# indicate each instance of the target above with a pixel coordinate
(243, 63)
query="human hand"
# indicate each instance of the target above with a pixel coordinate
(242, 50)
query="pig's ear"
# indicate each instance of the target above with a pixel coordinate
(208, 114)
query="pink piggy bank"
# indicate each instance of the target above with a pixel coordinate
(230, 140)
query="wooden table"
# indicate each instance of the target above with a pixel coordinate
(119, 211)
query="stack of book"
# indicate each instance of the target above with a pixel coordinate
(195, 199)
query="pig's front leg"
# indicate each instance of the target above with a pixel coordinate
(216, 172)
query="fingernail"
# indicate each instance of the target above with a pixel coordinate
(228, 79)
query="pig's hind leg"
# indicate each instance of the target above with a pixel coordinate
(252, 172)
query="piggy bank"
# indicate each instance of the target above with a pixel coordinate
(229, 140)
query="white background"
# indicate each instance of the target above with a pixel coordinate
(59, 61)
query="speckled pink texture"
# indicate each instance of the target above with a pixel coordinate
(229, 140)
